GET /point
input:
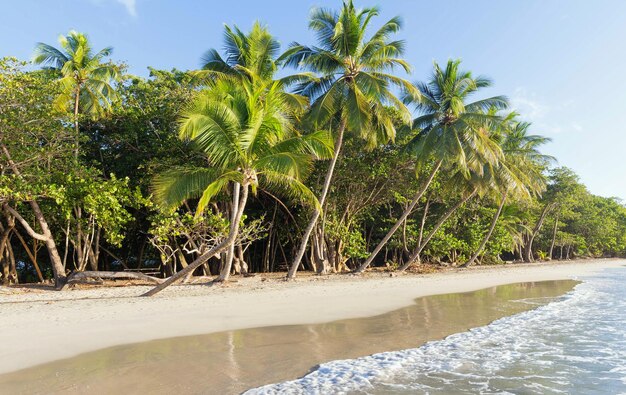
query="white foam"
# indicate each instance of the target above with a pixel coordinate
(561, 347)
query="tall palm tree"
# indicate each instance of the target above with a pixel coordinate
(251, 57)
(246, 130)
(87, 84)
(519, 174)
(353, 83)
(452, 132)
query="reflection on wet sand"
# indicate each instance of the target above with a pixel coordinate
(233, 361)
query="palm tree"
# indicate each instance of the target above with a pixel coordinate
(248, 57)
(469, 188)
(452, 133)
(353, 84)
(87, 84)
(246, 130)
(253, 53)
(520, 173)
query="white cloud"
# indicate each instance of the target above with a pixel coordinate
(527, 105)
(544, 117)
(131, 6)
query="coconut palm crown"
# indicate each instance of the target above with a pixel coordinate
(521, 171)
(353, 83)
(87, 82)
(246, 131)
(451, 129)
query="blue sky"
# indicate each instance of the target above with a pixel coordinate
(561, 62)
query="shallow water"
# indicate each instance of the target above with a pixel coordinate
(574, 345)
(234, 361)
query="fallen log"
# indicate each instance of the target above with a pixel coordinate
(94, 277)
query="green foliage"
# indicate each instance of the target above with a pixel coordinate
(174, 224)
(351, 239)
(86, 84)
(352, 79)
(149, 153)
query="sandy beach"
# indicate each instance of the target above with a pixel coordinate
(43, 326)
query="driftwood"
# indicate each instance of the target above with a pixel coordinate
(93, 277)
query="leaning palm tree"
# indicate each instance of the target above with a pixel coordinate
(246, 131)
(467, 188)
(87, 84)
(353, 84)
(520, 173)
(453, 133)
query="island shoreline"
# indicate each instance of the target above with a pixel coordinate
(41, 327)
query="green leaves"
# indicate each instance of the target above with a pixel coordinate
(450, 129)
(84, 77)
(353, 82)
(245, 125)
(172, 187)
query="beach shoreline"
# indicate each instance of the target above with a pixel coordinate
(44, 326)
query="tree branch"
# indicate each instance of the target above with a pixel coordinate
(25, 224)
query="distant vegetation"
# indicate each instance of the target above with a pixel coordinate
(319, 158)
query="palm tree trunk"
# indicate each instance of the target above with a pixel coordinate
(556, 227)
(218, 249)
(400, 220)
(235, 209)
(420, 247)
(234, 228)
(488, 235)
(76, 129)
(309, 229)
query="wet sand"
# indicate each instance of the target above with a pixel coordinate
(233, 361)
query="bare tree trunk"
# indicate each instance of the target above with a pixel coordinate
(218, 249)
(45, 236)
(422, 225)
(556, 227)
(78, 277)
(4, 258)
(243, 265)
(528, 248)
(488, 235)
(12, 265)
(141, 251)
(32, 256)
(327, 180)
(4, 247)
(319, 254)
(420, 247)
(400, 220)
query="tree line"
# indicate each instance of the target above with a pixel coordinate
(320, 158)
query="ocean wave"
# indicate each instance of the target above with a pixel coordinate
(576, 344)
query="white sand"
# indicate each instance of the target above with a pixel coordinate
(42, 326)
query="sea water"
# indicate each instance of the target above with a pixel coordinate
(574, 345)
